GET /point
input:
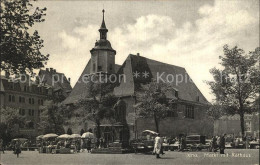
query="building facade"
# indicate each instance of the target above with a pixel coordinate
(189, 103)
(27, 97)
(231, 125)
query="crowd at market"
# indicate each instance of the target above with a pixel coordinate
(75, 143)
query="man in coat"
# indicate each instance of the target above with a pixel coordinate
(157, 145)
(222, 144)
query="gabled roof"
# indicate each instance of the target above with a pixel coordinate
(61, 81)
(79, 90)
(133, 64)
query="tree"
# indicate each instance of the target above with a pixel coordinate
(51, 119)
(69, 131)
(236, 85)
(216, 111)
(99, 103)
(153, 101)
(9, 118)
(20, 50)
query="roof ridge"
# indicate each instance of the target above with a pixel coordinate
(158, 61)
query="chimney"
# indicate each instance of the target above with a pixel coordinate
(51, 69)
(69, 79)
(54, 70)
(138, 54)
(7, 74)
(47, 69)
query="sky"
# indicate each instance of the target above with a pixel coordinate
(186, 33)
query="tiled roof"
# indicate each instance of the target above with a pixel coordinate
(187, 90)
(79, 90)
(60, 83)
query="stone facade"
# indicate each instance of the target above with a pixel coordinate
(26, 97)
(231, 125)
(191, 105)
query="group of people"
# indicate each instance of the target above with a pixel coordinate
(218, 142)
(48, 145)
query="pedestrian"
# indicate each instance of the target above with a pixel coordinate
(222, 144)
(214, 144)
(183, 144)
(101, 143)
(162, 148)
(17, 148)
(157, 145)
(89, 145)
(2, 146)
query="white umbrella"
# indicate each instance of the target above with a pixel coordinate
(64, 136)
(150, 131)
(50, 135)
(74, 136)
(39, 137)
(87, 135)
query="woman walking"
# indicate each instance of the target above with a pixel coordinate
(157, 145)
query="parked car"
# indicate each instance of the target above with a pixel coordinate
(196, 142)
(145, 143)
(171, 146)
(254, 144)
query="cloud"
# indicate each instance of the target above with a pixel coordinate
(194, 45)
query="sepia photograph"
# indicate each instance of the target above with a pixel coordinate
(128, 82)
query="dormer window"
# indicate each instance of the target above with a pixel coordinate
(176, 92)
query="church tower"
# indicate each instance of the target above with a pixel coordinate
(103, 55)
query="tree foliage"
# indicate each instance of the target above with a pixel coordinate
(98, 105)
(20, 49)
(9, 118)
(216, 111)
(237, 85)
(51, 119)
(154, 102)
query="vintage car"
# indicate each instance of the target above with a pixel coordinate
(171, 145)
(196, 142)
(254, 144)
(145, 143)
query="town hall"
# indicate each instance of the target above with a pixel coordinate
(190, 105)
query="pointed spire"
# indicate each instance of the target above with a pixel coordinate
(103, 25)
(103, 29)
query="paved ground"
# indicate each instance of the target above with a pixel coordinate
(233, 156)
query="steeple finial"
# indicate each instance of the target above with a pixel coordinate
(103, 13)
(103, 25)
(103, 30)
